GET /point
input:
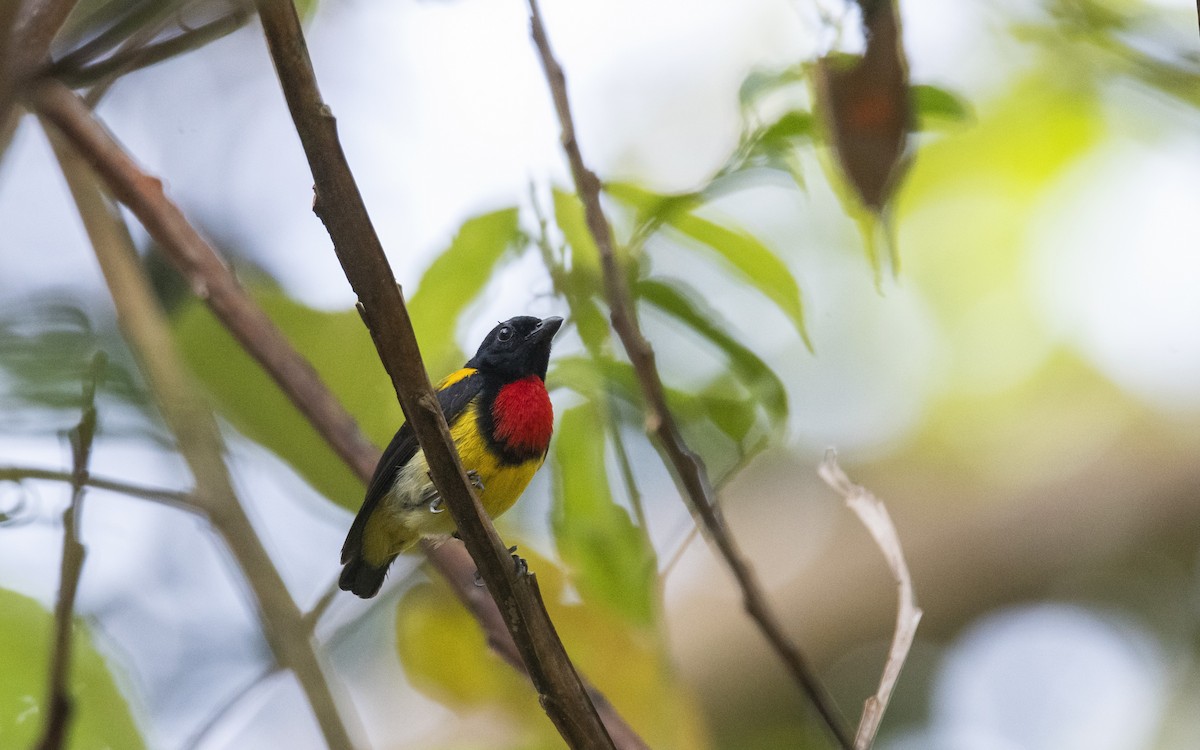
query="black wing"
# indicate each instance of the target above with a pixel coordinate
(453, 399)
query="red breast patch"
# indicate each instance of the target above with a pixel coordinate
(523, 415)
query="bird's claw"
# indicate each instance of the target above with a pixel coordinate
(519, 565)
(476, 482)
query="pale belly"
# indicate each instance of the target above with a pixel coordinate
(412, 510)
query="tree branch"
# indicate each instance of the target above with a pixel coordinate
(873, 514)
(689, 470)
(59, 702)
(209, 277)
(213, 281)
(339, 205)
(173, 498)
(145, 327)
(128, 60)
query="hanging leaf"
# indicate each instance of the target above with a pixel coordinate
(455, 279)
(867, 108)
(757, 264)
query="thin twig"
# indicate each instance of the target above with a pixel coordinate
(232, 700)
(61, 706)
(173, 498)
(873, 514)
(339, 205)
(143, 56)
(198, 438)
(689, 470)
(213, 281)
(28, 28)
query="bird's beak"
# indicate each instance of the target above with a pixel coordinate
(545, 330)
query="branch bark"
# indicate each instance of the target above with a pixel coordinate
(60, 704)
(687, 466)
(145, 327)
(213, 282)
(339, 205)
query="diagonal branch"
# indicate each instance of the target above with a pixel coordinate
(874, 515)
(145, 327)
(339, 205)
(213, 281)
(60, 704)
(689, 470)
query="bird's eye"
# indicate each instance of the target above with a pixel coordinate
(504, 334)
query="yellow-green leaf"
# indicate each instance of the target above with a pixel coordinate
(101, 717)
(457, 276)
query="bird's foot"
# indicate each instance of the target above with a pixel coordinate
(519, 565)
(476, 482)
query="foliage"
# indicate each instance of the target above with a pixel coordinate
(102, 717)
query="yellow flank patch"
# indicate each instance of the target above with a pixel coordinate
(456, 376)
(401, 518)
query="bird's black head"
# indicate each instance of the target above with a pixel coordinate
(517, 348)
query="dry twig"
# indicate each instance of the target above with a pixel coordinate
(145, 327)
(688, 469)
(60, 704)
(873, 514)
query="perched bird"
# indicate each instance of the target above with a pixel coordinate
(500, 418)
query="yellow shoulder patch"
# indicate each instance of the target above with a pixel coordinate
(456, 376)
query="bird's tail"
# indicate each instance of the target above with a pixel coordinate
(361, 578)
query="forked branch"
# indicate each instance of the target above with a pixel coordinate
(688, 469)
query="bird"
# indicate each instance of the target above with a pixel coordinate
(500, 419)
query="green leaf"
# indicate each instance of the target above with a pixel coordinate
(756, 263)
(101, 718)
(761, 82)
(749, 368)
(783, 134)
(572, 222)
(596, 537)
(456, 277)
(933, 105)
(339, 348)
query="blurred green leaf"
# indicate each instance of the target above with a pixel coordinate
(595, 536)
(933, 104)
(757, 264)
(755, 374)
(572, 222)
(761, 82)
(339, 348)
(583, 276)
(45, 350)
(783, 134)
(718, 421)
(444, 654)
(101, 718)
(457, 276)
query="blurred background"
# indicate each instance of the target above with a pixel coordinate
(1006, 353)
